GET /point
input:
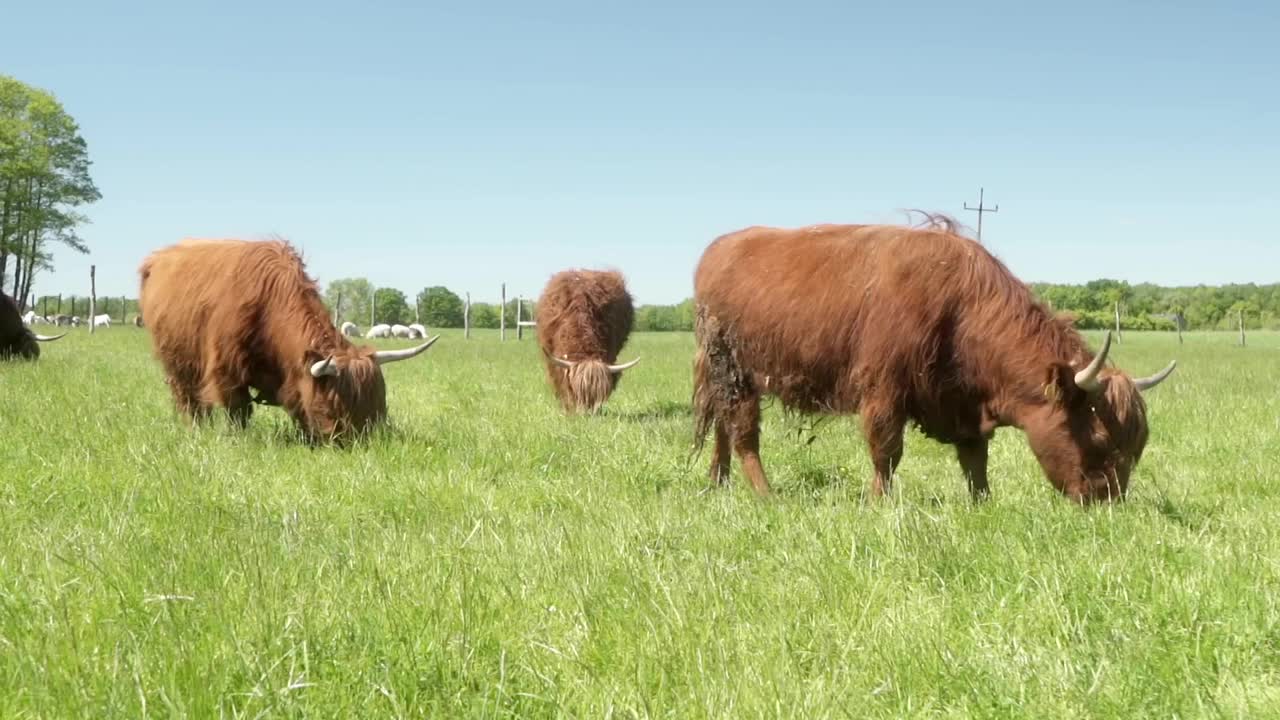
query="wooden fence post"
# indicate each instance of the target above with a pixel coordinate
(466, 319)
(93, 296)
(1118, 338)
(337, 308)
(519, 319)
(1240, 316)
(502, 315)
(373, 305)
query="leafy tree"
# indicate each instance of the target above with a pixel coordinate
(527, 312)
(441, 307)
(44, 178)
(392, 307)
(484, 315)
(355, 293)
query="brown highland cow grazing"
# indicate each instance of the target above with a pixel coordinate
(904, 324)
(229, 315)
(584, 318)
(16, 339)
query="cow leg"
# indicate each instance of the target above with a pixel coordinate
(186, 396)
(720, 457)
(884, 439)
(973, 461)
(240, 407)
(744, 430)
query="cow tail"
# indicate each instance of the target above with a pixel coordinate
(704, 414)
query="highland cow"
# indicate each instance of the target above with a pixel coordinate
(16, 339)
(902, 324)
(583, 320)
(230, 316)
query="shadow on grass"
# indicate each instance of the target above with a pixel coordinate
(660, 411)
(1186, 515)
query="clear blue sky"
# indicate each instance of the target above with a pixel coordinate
(465, 144)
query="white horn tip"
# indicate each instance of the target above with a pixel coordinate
(324, 367)
(624, 366)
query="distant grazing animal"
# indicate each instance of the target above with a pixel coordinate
(62, 320)
(16, 340)
(379, 331)
(417, 330)
(227, 316)
(102, 321)
(29, 318)
(350, 330)
(75, 320)
(401, 331)
(903, 324)
(137, 321)
(584, 318)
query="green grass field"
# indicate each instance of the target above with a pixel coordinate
(486, 556)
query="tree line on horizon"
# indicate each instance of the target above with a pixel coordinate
(1142, 307)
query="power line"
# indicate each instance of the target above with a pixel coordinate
(980, 210)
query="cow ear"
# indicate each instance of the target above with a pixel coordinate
(1060, 386)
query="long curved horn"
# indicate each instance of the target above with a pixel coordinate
(324, 367)
(1087, 379)
(382, 357)
(47, 338)
(566, 364)
(615, 369)
(1151, 381)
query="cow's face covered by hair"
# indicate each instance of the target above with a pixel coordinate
(17, 340)
(1091, 434)
(343, 395)
(587, 384)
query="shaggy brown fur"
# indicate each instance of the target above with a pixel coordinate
(229, 315)
(901, 324)
(584, 316)
(16, 339)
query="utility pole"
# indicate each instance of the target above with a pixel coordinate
(980, 210)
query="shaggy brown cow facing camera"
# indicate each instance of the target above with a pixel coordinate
(229, 315)
(584, 318)
(904, 324)
(16, 339)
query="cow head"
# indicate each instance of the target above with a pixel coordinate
(24, 345)
(343, 394)
(589, 382)
(1091, 432)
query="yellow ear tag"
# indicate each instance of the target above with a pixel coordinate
(1052, 392)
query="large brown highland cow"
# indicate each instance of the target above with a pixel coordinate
(16, 339)
(584, 318)
(899, 324)
(228, 316)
